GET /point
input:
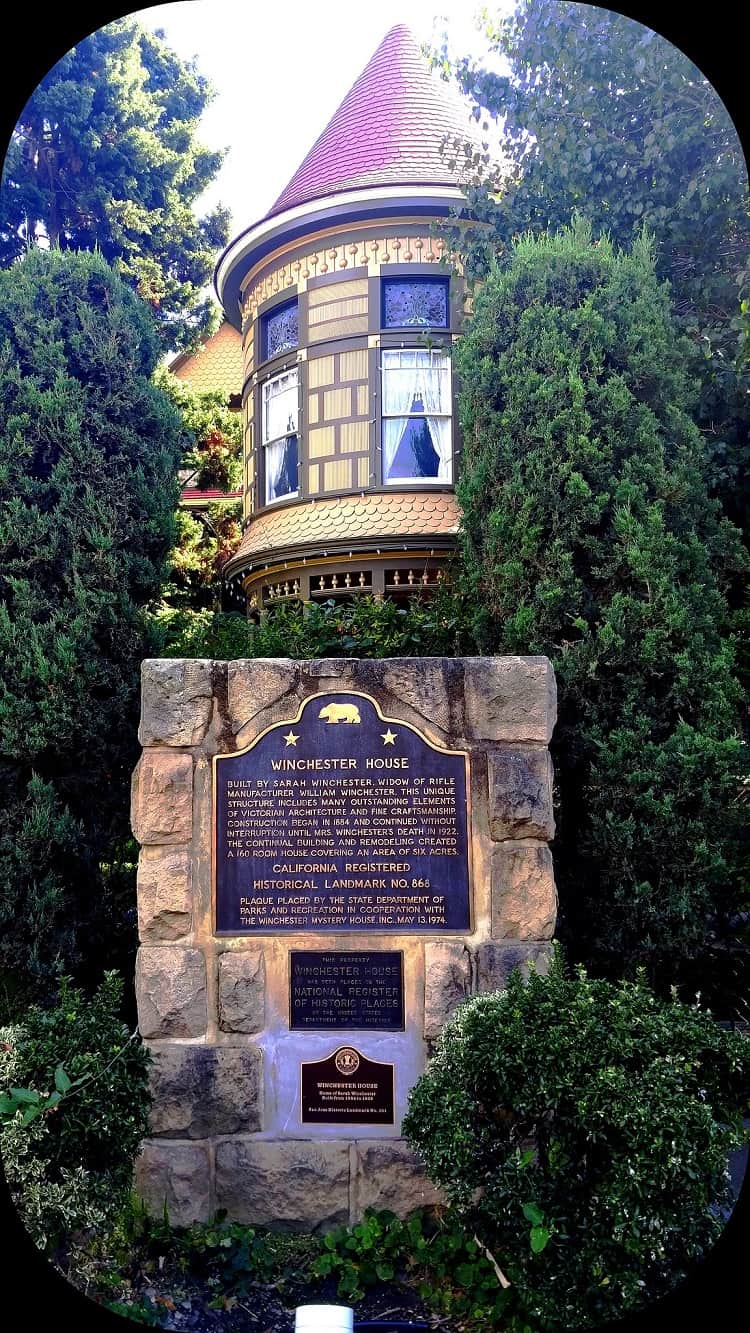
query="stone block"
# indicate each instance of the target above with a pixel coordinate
(165, 878)
(162, 797)
(509, 698)
(170, 984)
(421, 683)
(389, 1175)
(255, 684)
(447, 981)
(520, 794)
(201, 1091)
(524, 899)
(495, 962)
(331, 667)
(242, 991)
(289, 1184)
(175, 1173)
(176, 701)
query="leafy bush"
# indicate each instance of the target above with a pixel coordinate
(366, 628)
(71, 1166)
(428, 1253)
(582, 1129)
(449, 1269)
(49, 1208)
(589, 535)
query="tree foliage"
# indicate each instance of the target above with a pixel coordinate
(88, 456)
(582, 1130)
(212, 461)
(600, 114)
(589, 536)
(105, 156)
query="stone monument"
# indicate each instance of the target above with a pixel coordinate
(333, 854)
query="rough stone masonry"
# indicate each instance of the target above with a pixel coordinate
(214, 1010)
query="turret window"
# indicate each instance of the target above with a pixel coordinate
(280, 414)
(415, 303)
(417, 443)
(280, 330)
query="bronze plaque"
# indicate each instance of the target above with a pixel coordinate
(341, 819)
(346, 989)
(347, 1088)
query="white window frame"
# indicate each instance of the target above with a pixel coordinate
(443, 353)
(265, 388)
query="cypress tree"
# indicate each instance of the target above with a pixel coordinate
(590, 536)
(88, 455)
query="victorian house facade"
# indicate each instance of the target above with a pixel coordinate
(347, 310)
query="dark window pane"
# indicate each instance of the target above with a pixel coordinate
(415, 454)
(410, 302)
(281, 330)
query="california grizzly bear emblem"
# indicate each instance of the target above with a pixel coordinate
(340, 713)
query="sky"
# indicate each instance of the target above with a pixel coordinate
(280, 71)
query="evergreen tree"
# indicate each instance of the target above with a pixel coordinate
(602, 115)
(589, 536)
(105, 157)
(88, 455)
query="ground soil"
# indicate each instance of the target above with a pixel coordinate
(184, 1302)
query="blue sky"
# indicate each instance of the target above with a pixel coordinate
(281, 70)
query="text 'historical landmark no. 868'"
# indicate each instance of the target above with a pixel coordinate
(341, 820)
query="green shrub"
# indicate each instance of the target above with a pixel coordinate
(589, 535)
(72, 1165)
(582, 1129)
(49, 1208)
(428, 1251)
(366, 628)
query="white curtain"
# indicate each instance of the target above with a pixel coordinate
(274, 468)
(280, 419)
(400, 387)
(435, 390)
(281, 406)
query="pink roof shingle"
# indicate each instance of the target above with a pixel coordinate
(381, 514)
(387, 131)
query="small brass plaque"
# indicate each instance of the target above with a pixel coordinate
(347, 1088)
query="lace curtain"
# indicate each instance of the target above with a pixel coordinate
(280, 420)
(411, 376)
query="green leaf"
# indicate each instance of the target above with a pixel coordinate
(539, 1238)
(533, 1213)
(25, 1095)
(62, 1082)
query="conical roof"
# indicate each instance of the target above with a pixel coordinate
(387, 131)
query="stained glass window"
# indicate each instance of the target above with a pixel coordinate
(415, 302)
(280, 330)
